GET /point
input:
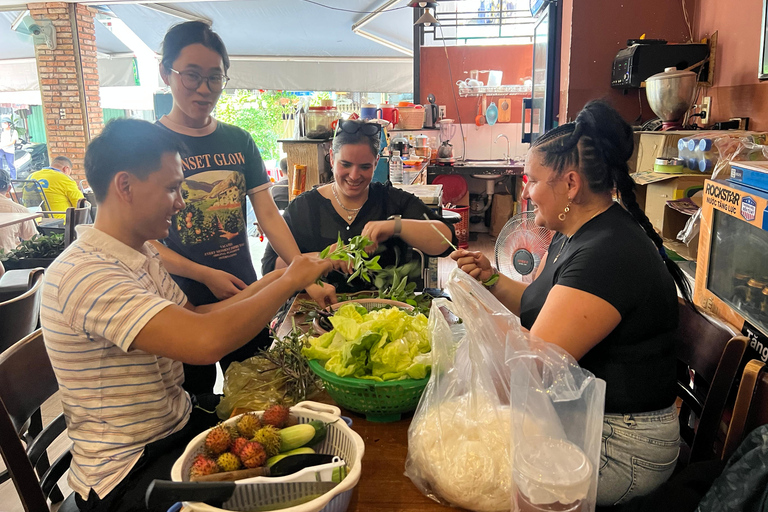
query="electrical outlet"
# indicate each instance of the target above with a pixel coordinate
(706, 110)
(441, 111)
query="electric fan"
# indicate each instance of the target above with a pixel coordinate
(520, 247)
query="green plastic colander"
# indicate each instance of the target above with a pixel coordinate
(379, 401)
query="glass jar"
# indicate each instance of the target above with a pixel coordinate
(319, 121)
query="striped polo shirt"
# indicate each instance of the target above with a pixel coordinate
(97, 296)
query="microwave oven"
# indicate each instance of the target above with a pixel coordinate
(732, 270)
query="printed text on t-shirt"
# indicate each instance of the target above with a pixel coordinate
(195, 162)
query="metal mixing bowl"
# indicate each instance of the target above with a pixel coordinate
(671, 93)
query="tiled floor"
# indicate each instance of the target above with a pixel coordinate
(9, 501)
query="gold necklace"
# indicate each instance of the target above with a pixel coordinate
(568, 239)
(351, 212)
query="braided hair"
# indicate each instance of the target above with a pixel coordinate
(599, 143)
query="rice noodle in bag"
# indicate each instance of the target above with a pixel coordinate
(492, 387)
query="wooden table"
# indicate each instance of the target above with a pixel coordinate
(9, 219)
(383, 484)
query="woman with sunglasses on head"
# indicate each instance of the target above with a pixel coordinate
(207, 249)
(352, 205)
(606, 293)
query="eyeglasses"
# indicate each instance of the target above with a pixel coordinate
(192, 81)
(350, 126)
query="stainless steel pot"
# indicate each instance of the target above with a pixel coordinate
(671, 93)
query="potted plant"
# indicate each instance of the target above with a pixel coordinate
(37, 252)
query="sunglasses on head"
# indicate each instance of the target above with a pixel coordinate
(348, 126)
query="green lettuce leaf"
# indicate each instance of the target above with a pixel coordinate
(381, 345)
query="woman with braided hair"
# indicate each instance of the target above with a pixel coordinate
(606, 293)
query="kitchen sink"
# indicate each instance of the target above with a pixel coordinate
(484, 163)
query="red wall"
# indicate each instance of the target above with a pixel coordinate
(594, 31)
(736, 92)
(515, 61)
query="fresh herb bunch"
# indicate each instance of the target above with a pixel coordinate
(48, 246)
(285, 354)
(354, 251)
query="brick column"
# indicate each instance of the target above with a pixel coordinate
(69, 80)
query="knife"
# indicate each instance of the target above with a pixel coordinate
(287, 466)
(162, 494)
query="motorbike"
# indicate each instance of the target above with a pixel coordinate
(30, 157)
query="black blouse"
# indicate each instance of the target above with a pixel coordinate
(315, 225)
(612, 257)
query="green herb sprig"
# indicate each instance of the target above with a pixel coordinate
(354, 252)
(301, 382)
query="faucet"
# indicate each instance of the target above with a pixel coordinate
(507, 156)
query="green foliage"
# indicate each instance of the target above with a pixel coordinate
(354, 252)
(48, 246)
(258, 113)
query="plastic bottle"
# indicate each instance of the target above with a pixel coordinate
(395, 167)
(707, 155)
(693, 154)
(682, 151)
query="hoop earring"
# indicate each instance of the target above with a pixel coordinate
(565, 211)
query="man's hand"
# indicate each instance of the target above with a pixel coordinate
(473, 263)
(378, 231)
(304, 270)
(324, 294)
(222, 284)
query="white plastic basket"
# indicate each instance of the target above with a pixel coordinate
(341, 441)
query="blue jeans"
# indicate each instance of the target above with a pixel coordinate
(638, 454)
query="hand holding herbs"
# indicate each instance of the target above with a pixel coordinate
(355, 254)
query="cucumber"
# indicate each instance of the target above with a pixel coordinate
(296, 436)
(298, 451)
(321, 430)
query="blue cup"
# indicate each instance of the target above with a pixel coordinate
(368, 112)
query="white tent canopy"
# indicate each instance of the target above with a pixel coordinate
(273, 44)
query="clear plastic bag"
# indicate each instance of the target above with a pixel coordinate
(253, 384)
(495, 389)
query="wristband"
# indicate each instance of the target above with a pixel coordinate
(398, 225)
(488, 283)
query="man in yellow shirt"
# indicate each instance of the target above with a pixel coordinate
(60, 189)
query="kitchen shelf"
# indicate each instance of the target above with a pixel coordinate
(499, 90)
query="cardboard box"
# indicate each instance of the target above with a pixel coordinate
(674, 222)
(657, 189)
(502, 209)
(652, 145)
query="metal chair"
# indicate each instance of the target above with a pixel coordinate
(709, 355)
(31, 195)
(26, 382)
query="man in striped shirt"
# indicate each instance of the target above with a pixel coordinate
(117, 327)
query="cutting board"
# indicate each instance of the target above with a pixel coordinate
(505, 110)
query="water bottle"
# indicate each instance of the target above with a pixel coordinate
(396, 168)
(693, 157)
(707, 155)
(682, 151)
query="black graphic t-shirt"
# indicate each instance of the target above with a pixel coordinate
(222, 165)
